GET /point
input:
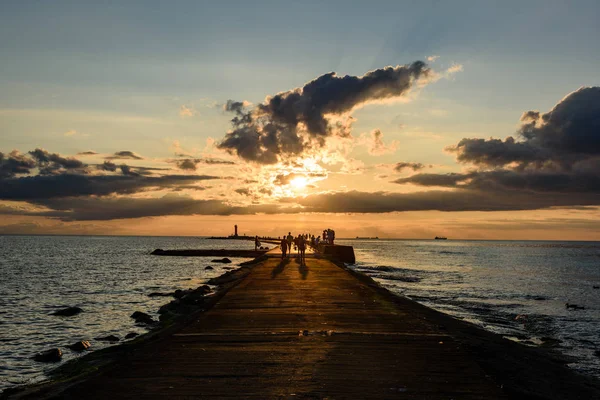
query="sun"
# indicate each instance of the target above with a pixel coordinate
(299, 182)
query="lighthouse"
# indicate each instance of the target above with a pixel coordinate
(235, 229)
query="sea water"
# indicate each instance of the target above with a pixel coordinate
(488, 283)
(108, 277)
(518, 289)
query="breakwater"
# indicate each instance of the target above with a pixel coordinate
(319, 330)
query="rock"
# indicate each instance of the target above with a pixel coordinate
(52, 355)
(574, 307)
(109, 338)
(195, 296)
(80, 346)
(209, 268)
(131, 335)
(142, 318)
(550, 342)
(186, 301)
(597, 353)
(227, 277)
(157, 252)
(180, 293)
(67, 312)
(169, 307)
(222, 260)
(159, 294)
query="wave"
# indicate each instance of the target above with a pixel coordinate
(409, 279)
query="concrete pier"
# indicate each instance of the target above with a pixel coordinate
(320, 331)
(291, 331)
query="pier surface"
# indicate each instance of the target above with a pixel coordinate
(354, 343)
(320, 331)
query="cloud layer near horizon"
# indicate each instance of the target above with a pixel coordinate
(554, 161)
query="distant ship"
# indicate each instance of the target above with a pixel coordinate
(441, 238)
(367, 238)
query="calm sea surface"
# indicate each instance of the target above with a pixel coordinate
(487, 283)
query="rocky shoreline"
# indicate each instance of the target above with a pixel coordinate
(172, 316)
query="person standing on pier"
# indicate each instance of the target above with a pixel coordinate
(301, 243)
(289, 239)
(256, 243)
(284, 247)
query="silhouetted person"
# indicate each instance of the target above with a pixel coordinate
(256, 243)
(284, 247)
(289, 239)
(301, 243)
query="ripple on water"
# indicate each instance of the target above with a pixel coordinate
(109, 277)
(490, 283)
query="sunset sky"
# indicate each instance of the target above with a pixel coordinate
(406, 119)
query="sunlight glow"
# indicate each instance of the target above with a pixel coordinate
(299, 182)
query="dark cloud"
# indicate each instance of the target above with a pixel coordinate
(558, 152)
(284, 179)
(290, 122)
(39, 187)
(330, 94)
(107, 208)
(87, 153)
(127, 171)
(187, 164)
(189, 187)
(572, 126)
(446, 180)
(15, 163)
(107, 166)
(243, 191)
(497, 180)
(51, 163)
(459, 200)
(124, 155)
(399, 167)
(558, 139)
(191, 164)
(216, 161)
(495, 152)
(529, 116)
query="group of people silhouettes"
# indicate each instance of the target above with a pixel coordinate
(302, 241)
(299, 242)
